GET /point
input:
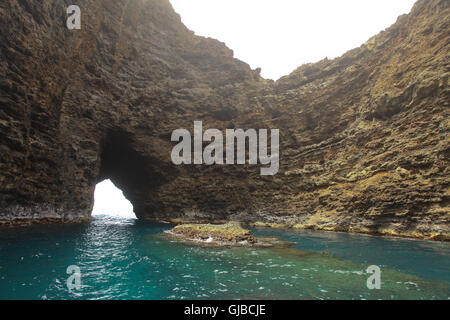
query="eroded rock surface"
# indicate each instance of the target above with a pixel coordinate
(364, 137)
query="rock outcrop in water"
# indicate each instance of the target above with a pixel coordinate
(228, 234)
(364, 137)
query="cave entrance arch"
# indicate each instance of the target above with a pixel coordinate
(128, 168)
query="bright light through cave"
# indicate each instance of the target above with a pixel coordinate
(109, 200)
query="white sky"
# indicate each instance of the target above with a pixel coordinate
(280, 35)
(277, 36)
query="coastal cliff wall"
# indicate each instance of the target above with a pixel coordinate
(364, 138)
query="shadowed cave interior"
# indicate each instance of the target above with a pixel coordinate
(123, 166)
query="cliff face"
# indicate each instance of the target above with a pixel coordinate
(364, 142)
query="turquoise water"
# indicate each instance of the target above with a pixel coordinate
(129, 259)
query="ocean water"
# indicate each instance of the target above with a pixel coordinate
(129, 259)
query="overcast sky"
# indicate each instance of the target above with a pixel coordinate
(280, 35)
(277, 36)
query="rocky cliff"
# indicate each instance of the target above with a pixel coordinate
(364, 138)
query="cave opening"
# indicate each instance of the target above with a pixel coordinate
(110, 201)
(122, 178)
